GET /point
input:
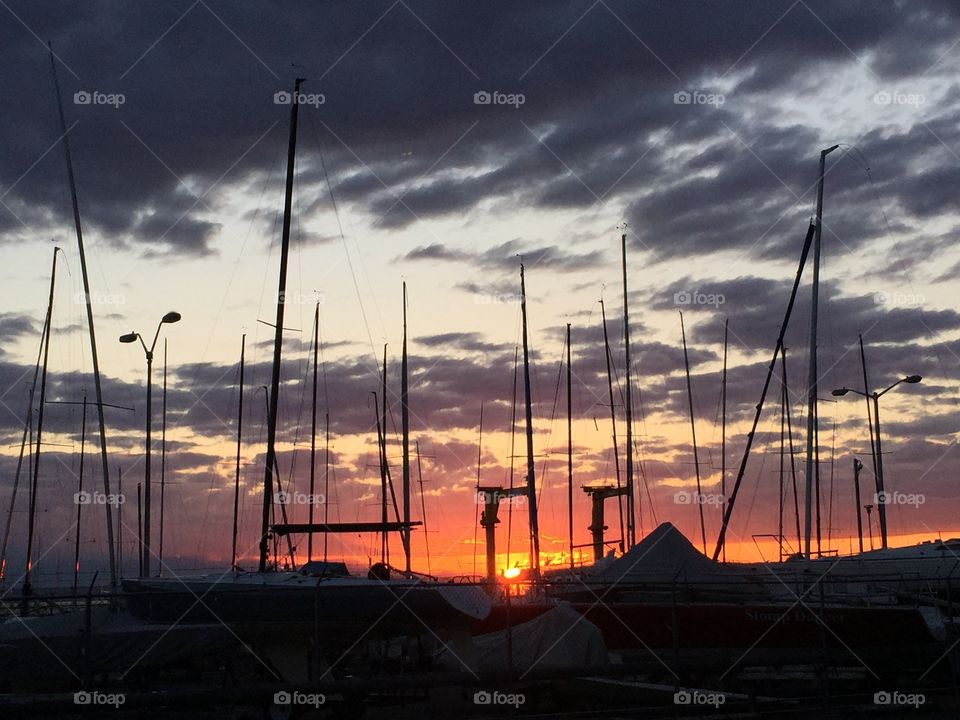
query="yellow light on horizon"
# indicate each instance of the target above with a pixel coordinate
(512, 572)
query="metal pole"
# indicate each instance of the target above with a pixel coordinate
(236, 481)
(723, 422)
(120, 521)
(76, 544)
(163, 456)
(812, 469)
(881, 492)
(857, 467)
(783, 439)
(693, 432)
(405, 439)
(31, 518)
(631, 512)
(866, 397)
(721, 538)
(89, 303)
(326, 480)
(569, 449)
(383, 457)
(278, 336)
(145, 539)
(531, 473)
(313, 430)
(423, 510)
(613, 422)
(140, 526)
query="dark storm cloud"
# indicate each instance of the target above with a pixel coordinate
(198, 116)
(505, 256)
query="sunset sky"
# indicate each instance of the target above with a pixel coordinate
(697, 124)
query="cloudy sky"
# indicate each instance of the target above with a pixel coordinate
(438, 147)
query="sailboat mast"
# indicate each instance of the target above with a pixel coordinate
(76, 542)
(613, 420)
(723, 422)
(278, 335)
(90, 326)
(236, 480)
(631, 513)
(693, 432)
(326, 480)
(120, 521)
(793, 465)
(783, 446)
(423, 509)
(385, 539)
(31, 518)
(405, 431)
(531, 473)
(812, 469)
(313, 429)
(140, 526)
(163, 457)
(758, 409)
(27, 431)
(569, 449)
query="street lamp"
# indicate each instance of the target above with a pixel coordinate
(875, 396)
(131, 337)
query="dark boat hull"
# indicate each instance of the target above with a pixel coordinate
(745, 632)
(378, 607)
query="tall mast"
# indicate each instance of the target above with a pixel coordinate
(857, 467)
(631, 513)
(27, 431)
(140, 525)
(120, 521)
(613, 419)
(163, 456)
(569, 449)
(313, 429)
(758, 408)
(423, 509)
(783, 445)
(693, 432)
(479, 460)
(531, 474)
(793, 464)
(31, 518)
(866, 392)
(812, 469)
(278, 335)
(385, 539)
(723, 421)
(326, 480)
(236, 479)
(405, 430)
(513, 447)
(90, 326)
(76, 544)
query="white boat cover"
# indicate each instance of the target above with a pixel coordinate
(559, 638)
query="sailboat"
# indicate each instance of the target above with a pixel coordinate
(663, 595)
(322, 594)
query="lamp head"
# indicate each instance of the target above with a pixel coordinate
(912, 379)
(171, 317)
(129, 337)
(840, 392)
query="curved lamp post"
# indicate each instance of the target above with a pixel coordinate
(131, 337)
(875, 396)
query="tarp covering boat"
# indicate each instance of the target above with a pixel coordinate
(666, 557)
(557, 639)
